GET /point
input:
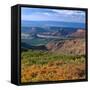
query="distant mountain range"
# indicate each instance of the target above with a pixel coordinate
(56, 34)
(52, 23)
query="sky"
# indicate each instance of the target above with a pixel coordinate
(39, 14)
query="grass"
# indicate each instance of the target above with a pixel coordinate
(46, 66)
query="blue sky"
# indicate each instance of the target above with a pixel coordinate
(38, 14)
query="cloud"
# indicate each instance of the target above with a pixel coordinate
(46, 13)
(70, 12)
(53, 15)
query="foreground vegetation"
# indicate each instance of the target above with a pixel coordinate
(46, 66)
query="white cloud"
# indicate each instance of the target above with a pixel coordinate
(48, 14)
(56, 15)
(69, 12)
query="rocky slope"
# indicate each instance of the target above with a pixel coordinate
(79, 33)
(75, 47)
